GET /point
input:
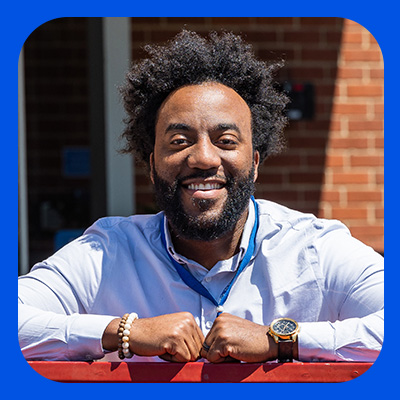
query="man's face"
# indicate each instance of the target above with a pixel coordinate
(203, 165)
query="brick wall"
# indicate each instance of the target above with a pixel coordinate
(333, 166)
(353, 187)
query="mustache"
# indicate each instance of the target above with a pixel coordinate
(202, 175)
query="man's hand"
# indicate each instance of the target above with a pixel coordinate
(172, 337)
(236, 338)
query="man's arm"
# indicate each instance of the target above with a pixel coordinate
(352, 284)
(48, 335)
(172, 337)
(240, 339)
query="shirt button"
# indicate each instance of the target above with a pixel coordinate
(208, 279)
(209, 324)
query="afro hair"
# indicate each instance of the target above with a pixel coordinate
(189, 59)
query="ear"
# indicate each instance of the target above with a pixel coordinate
(152, 167)
(256, 161)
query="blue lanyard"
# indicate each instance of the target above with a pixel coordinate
(194, 284)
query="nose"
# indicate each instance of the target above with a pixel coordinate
(204, 155)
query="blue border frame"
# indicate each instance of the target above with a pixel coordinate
(19, 20)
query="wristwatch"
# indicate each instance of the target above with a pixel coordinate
(284, 331)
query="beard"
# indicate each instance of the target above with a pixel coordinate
(204, 227)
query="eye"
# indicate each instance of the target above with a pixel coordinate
(228, 142)
(179, 141)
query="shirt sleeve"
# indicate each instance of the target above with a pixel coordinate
(352, 283)
(55, 301)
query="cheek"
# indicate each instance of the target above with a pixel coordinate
(166, 167)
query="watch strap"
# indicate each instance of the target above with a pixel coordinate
(285, 350)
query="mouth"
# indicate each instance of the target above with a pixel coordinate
(204, 188)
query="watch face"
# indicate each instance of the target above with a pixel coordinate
(284, 326)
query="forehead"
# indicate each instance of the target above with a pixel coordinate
(207, 101)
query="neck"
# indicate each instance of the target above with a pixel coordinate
(208, 253)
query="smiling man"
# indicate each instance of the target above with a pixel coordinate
(217, 274)
(204, 169)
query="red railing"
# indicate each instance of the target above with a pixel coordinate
(66, 371)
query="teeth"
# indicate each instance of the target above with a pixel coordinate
(206, 186)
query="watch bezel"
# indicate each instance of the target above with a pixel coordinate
(291, 335)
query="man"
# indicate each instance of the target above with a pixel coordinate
(209, 276)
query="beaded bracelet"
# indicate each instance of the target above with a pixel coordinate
(124, 330)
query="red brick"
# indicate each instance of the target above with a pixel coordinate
(302, 36)
(349, 213)
(367, 195)
(379, 109)
(330, 196)
(350, 178)
(319, 55)
(278, 195)
(316, 160)
(284, 160)
(307, 142)
(377, 244)
(367, 161)
(376, 73)
(379, 143)
(367, 230)
(365, 90)
(334, 161)
(269, 178)
(351, 37)
(312, 195)
(361, 55)
(380, 178)
(306, 177)
(376, 125)
(307, 73)
(349, 73)
(349, 108)
(348, 143)
(379, 213)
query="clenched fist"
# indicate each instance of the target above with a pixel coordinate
(236, 338)
(172, 337)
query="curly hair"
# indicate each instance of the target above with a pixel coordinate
(190, 59)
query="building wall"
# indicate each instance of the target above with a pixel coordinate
(57, 119)
(333, 166)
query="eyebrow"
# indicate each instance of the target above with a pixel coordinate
(177, 127)
(227, 126)
(219, 127)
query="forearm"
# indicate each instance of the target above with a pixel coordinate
(353, 339)
(110, 336)
(50, 336)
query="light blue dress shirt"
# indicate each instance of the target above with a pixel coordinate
(304, 268)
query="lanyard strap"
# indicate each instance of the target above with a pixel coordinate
(194, 284)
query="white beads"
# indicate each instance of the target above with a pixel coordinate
(125, 329)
